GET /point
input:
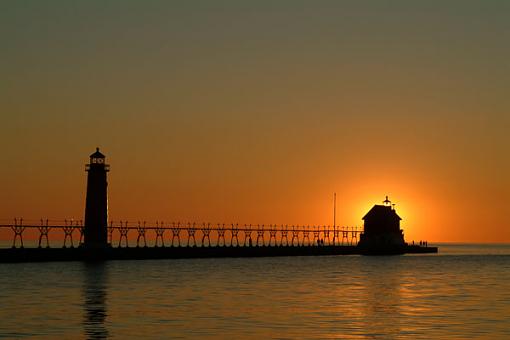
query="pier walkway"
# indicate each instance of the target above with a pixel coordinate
(63, 241)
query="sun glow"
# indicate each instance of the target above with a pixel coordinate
(409, 198)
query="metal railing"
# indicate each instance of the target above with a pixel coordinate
(177, 234)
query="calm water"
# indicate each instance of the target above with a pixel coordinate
(464, 292)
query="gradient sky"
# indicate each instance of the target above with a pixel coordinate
(257, 111)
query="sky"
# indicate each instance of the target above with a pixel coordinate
(258, 111)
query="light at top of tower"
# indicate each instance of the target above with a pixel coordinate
(97, 162)
(97, 157)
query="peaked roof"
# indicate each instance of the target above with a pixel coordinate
(97, 154)
(381, 210)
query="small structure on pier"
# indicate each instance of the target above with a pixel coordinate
(382, 228)
(96, 206)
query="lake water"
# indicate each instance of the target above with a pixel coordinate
(463, 293)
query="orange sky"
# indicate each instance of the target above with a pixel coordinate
(257, 113)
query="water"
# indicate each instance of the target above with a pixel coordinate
(463, 292)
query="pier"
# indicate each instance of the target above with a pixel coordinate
(64, 241)
(96, 238)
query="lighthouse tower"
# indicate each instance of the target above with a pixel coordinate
(96, 206)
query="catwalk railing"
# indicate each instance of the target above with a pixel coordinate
(70, 233)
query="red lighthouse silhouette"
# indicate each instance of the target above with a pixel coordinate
(96, 206)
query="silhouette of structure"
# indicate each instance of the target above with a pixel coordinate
(382, 229)
(100, 241)
(96, 206)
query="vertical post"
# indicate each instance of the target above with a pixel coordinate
(334, 217)
(334, 210)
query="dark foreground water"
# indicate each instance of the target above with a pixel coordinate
(463, 292)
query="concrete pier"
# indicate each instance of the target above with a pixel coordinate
(144, 253)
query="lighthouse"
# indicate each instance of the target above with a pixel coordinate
(96, 206)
